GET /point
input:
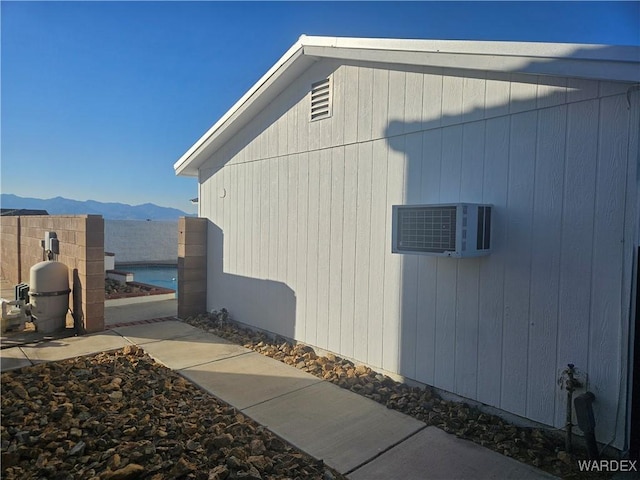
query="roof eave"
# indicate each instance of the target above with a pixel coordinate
(263, 91)
(598, 62)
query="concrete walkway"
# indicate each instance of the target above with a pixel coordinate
(354, 435)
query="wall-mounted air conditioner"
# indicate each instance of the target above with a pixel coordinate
(444, 230)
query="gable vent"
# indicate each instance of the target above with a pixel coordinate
(321, 99)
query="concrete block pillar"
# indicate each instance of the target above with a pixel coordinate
(192, 266)
(89, 277)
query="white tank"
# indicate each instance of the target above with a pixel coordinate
(49, 295)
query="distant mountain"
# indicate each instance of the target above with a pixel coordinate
(109, 211)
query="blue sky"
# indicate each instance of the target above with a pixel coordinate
(99, 99)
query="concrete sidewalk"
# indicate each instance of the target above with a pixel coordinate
(356, 436)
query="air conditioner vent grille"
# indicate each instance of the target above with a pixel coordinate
(427, 230)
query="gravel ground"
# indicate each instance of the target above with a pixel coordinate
(538, 447)
(120, 415)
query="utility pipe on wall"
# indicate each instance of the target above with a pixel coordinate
(571, 384)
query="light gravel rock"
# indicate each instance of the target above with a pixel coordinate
(120, 415)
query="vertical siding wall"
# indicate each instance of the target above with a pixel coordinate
(81, 250)
(308, 204)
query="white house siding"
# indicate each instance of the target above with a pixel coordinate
(306, 222)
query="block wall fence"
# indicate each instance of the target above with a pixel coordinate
(81, 250)
(192, 266)
(139, 241)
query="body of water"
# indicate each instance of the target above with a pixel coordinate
(160, 275)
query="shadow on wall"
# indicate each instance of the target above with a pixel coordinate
(78, 313)
(464, 323)
(498, 329)
(272, 304)
(439, 328)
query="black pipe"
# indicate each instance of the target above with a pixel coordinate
(587, 422)
(570, 384)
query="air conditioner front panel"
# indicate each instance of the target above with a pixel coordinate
(448, 230)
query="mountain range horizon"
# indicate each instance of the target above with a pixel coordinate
(109, 210)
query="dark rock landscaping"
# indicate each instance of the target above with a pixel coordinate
(120, 415)
(542, 448)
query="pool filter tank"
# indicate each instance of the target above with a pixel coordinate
(49, 288)
(49, 295)
(45, 300)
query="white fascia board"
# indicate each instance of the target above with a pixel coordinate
(193, 158)
(468, 47)
(598, 62)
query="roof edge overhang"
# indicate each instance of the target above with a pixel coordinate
(291, 64)
(597, 62)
